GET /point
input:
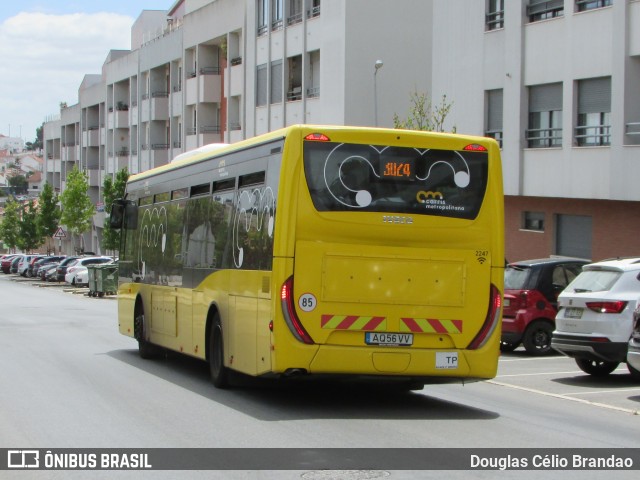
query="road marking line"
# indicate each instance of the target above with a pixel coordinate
(564, 397)
(636, 389)
(529, 359)
(532, 374)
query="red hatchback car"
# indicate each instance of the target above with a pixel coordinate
(531, 289)
(6, 262)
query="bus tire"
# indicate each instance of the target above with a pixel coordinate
(219, 373)
(145, 349)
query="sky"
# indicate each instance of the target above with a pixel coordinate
(48, 46)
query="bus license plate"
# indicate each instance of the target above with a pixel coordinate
(390, 339)
(573, 312)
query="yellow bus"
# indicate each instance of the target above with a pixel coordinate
(320, 250)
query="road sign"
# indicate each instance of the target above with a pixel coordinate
(60, 233)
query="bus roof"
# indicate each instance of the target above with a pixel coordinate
(205, 152)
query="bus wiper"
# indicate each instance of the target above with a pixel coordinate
(581, 290)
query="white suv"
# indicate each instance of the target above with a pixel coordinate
(595, 315)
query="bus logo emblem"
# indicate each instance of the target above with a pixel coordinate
(397, 219)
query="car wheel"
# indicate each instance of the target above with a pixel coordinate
(537, 338)
(508, 347)
(597, 368)
(635, 373)
(219, 373)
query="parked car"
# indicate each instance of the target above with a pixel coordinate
(23, 266)
(38, 264)
(633, 349)
(29, 272)
(62, 267)
(5, 263)
(595, 316)
(77, 272)
(45, 270)
(531, 289)
(14, 263)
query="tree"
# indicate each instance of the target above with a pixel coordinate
(28, 238)
(49, 214)
(18, 184)
(10, 224)
(423, 115)
(112, 190)
(77, 208)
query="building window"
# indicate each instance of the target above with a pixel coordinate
(261, 85)
(276, 14)
(294, 83)
(495, 14)
(295, 12)
(276, 81)
(313, 75)
(584, 5)
(494, 115)
(314, 9)
(544, 9)
(533, 221)
(263, 17)
(545, 116)
(594, 112)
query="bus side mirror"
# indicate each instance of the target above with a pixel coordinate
(117, 214)
(124, 214)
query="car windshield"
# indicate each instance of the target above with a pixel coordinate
(594, 281)
(516, 277)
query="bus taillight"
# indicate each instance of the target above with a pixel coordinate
(490, 322)
(290, 315)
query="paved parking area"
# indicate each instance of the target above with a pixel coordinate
(560, 377)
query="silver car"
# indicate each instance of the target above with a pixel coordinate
(595, 316)
(633, 352)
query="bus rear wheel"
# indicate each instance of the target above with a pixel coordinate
(219, 373)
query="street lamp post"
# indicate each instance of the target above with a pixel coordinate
(378, 65)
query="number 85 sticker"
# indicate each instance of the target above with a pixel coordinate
(307, 302)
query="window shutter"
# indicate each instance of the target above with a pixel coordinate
(545, 98)
(594, 95)
(494, 113)
(276, 81)
(261, 80)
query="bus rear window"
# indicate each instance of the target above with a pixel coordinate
(374, 178)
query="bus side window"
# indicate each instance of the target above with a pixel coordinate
(131, 215)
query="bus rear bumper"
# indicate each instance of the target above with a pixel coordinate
(409, 362)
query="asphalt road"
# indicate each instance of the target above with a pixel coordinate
(70, 380)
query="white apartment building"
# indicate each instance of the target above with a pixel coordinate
(557, 82)
(209, 71)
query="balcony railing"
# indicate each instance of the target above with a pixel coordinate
(210, 129)
(313, 92)
(210, 71)
(313, 12)
(494, 20)
(236, 61)
(544, 137)
(295, 18)
(632, 128)
(593, 135)
(495, 134)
